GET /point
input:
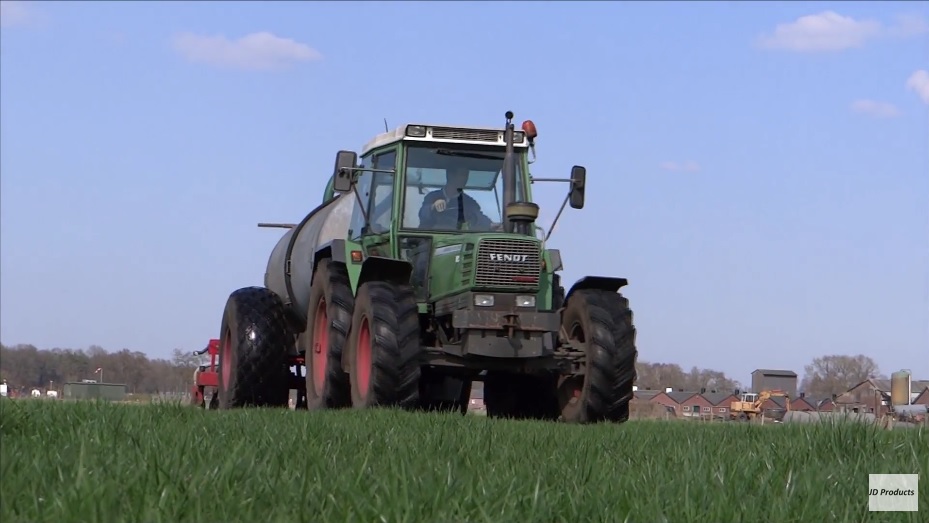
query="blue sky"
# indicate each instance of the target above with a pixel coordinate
(758, 171)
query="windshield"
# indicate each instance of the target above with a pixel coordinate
(455, 187)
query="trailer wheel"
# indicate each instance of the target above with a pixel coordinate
(328, 321)
(385, 345)
(601, 322)
(255, 339)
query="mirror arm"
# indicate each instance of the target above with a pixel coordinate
(551, 228)
(367, 170)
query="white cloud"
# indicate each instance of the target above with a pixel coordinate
(826, 31)
(829, 32)
(919, 82)
(690, 166)
(909, 25)
(255, 51)
(875, 108)
(13, 13)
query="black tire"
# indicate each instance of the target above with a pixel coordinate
(329, 314)
(385, 347)
(626, 354)
(520, 396)
(601, 322)
(255, 340)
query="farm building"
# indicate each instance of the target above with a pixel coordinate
(93, 391)
(922, 398)
(772, 379)
(873, 396)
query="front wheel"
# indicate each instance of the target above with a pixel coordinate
(386, 350)
(600, 323)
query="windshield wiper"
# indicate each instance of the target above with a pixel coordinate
(479, 156)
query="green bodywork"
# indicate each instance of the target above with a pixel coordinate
(451, 270)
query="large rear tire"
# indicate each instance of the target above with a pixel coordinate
(255, 339)
(329, 318)
(386, 350)
(601, 323)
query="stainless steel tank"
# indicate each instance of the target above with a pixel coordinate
(900, 388)
(327, 222)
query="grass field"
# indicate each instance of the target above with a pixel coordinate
(64, 462)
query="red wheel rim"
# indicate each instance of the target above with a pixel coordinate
(363, 358)
(225, 358)
(320, 359)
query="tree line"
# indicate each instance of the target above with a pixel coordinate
(25, 366)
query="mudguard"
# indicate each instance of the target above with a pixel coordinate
(603, 283)
(376, 268)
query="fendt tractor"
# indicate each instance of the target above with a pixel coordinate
(422, 271)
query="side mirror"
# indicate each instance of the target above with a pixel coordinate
(342, 177)
(578, 180)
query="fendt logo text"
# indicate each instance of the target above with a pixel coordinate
(508, 257)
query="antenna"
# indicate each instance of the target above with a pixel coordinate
(386, 129)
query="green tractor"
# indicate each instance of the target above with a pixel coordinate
(422, 271)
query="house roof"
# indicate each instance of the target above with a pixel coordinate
(777, 372)
(646, 394)
(680, 397)
(715, 398)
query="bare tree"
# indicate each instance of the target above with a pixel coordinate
(836, 373)
(657, 376)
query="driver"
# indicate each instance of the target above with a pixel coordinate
(440, 208)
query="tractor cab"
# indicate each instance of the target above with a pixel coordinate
(456, 203)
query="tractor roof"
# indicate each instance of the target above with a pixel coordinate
(446, 134)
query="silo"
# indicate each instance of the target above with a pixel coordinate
(900, 388)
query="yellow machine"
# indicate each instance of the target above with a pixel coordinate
(750, 405)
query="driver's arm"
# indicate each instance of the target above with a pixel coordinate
(425, 211)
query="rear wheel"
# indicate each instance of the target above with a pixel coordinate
(328, 322)
(255, 338)
(599, 322)
(386, 350)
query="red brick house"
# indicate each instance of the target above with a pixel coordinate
(803, 404)
(674, 399)
(697, 406)
(869, 396)
(826, 405)
(922, 398)
(721, 402)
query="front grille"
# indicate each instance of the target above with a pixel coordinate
(478, 135)
(508, 263)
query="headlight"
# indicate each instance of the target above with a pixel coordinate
(484, 300)
(525, 301)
